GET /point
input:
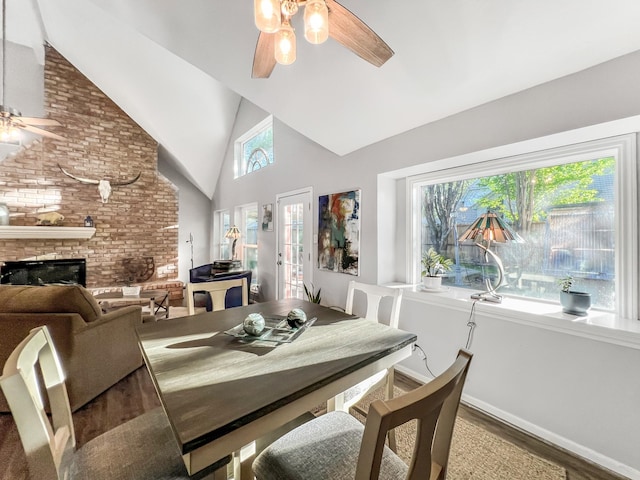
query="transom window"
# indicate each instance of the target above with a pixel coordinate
(572, 207)
(254, 149)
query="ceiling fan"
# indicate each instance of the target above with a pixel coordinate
(11, 120)
(322, 19)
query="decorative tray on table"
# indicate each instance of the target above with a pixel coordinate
(276, 330)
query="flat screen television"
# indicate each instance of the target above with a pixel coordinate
(70, 271)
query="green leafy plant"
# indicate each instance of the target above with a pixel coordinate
(566, 283)
(312, 295)
(434, 264)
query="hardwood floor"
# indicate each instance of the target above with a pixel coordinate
(135, 395)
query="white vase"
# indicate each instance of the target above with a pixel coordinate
(4, 214)
(432, 283)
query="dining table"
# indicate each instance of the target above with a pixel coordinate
(223, 389)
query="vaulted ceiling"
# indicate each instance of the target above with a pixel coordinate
(181, 68)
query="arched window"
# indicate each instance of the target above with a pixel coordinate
(254, 149)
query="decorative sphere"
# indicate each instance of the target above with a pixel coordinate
(253, 324)
(296, 318)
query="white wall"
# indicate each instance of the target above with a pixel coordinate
(194, 218)
(578, 392)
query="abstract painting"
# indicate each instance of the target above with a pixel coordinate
(339, 232)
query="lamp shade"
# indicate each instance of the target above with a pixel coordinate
(267, 15)
(233, 232)
(285, 45)
(316, 21)
(491, 228)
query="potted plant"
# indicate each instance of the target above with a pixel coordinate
(312, 295)
(434, 266)
(573, 302)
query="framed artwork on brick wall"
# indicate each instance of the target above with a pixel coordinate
(339, 232)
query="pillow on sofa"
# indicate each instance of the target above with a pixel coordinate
(49, 299)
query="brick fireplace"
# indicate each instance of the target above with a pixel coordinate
(101, 142)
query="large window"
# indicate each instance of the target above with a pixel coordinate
(254, 149)
(573, 207)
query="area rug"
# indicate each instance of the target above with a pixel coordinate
(477, 454)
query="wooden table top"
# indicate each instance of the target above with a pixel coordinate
(211, 383)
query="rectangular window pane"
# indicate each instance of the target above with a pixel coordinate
(564, 213)
(250, 238)
(225, 245)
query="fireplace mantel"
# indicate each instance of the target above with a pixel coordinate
(41, 232)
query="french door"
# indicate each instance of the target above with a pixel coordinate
(295, 231)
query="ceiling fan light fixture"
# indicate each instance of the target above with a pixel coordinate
(346, 28)
(285, 45)
(267, 15)
(316, 21)
(11, 120)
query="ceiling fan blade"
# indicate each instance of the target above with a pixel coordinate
(49, 122)
(353, 33)
(40, 131)
(264, 59)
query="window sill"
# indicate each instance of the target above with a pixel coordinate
(597, 325)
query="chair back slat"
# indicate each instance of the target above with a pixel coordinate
(218, 292)
(45, 442)
(374, 295)
(434, 406)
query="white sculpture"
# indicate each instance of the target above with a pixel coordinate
(50, 218)
(104, 186)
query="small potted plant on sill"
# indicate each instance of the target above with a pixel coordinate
(572, 301)
(434, 266)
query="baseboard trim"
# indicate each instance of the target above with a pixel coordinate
(535, 430)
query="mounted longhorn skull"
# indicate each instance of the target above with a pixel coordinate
(104, 186)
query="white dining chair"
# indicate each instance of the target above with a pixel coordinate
(140, 449)
(337, 446)
(218, 292)
(374, 295)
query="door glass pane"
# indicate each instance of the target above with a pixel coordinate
(292, 252)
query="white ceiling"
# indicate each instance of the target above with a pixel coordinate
(180, 68)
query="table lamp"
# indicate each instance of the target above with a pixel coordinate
(234, 233)
(489, 227)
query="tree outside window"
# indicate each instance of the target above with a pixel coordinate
(565, 213)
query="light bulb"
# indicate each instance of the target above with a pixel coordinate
(316, 21)
(267, 16)
(285, 45)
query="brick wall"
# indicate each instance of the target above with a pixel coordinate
(101, 142)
